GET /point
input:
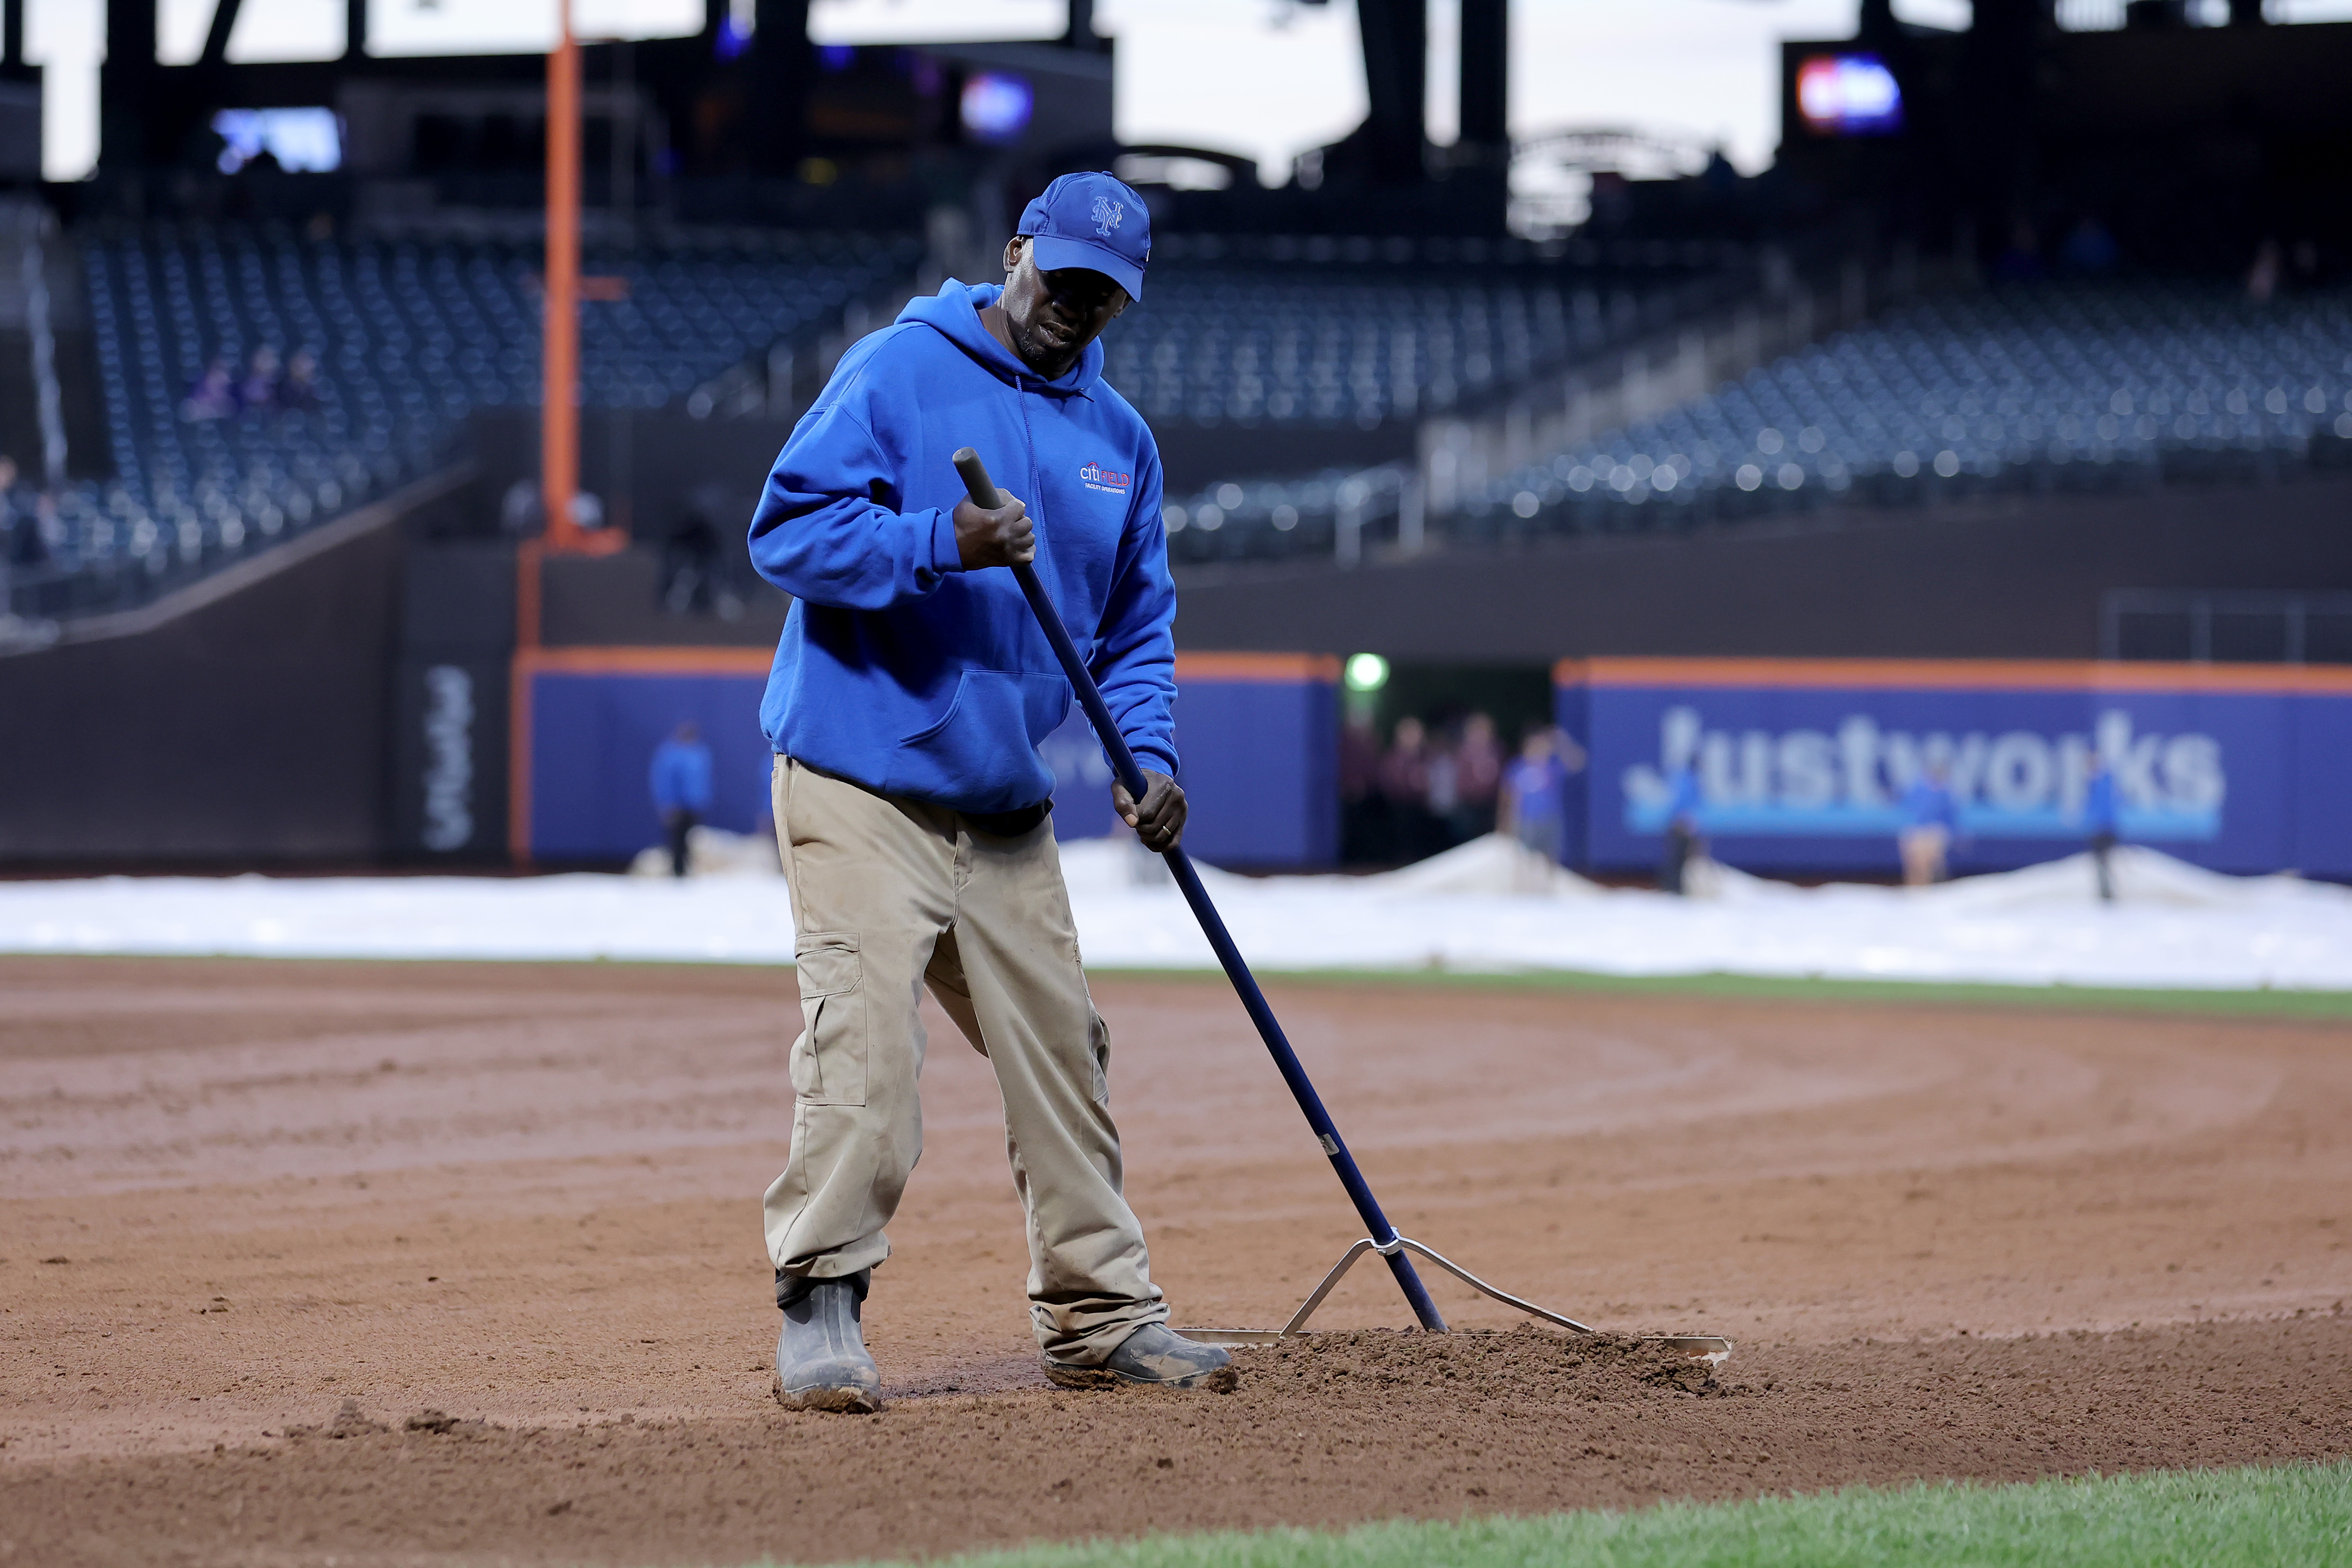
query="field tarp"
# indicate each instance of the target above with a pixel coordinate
(1488, 906)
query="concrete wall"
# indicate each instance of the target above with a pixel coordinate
(243, 719)
(2020, 579)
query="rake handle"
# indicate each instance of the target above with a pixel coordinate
(983, 493)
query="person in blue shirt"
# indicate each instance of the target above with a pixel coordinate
(1682, 843)
(2100, 821)
(1930, 821)
(909, 693)
(681, 787)
(1534, 794)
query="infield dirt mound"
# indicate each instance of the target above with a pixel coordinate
(1471, 1365)
(1365, 1426)
(511, 1214)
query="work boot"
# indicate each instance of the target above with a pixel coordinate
(821, 1360)
(1157, 1356)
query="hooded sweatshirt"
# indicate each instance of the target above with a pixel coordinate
(899, 669)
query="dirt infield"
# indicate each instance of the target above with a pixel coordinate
(511, 1215)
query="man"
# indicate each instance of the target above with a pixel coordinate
(1683, 842)
(681, 785)
(1478, 779)
(1930, 818)
(909, 693)
(1534, 794)
(2100, 821)
(1404, 784)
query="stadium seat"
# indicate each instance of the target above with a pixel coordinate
(410, 336)
(2045, 385)
(2042, 385)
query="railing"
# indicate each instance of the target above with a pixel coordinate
(2228, 627)
(783, 378)
(1653, 374)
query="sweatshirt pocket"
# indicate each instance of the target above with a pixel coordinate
(982, 750)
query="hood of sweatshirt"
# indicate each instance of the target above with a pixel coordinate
(954, 313)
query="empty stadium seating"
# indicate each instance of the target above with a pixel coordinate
(409, 336)
(2046, 386)
(1362, 339)
(2042, 385)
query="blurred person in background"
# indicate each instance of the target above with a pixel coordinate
(2090, 251)
(681, 785)
(258, 390)
(2021, 261)
(1929, 820)
(2100, 820)
(1478, 779)
(763, 815)
(213, 395)
(1404, 789)
(2262, 277)
(1534, 793)
(23, 539)
(1442, 795)
(299, 393)
(1682, 843)
(690, 552)
(8, 542)
(20, 535)
(1362, 827)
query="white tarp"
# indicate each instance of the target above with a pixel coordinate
(1487, 906)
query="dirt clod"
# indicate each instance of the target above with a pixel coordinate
(1481, 1364)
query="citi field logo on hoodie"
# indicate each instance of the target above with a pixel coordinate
(1095, 477)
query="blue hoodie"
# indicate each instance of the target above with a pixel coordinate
(898, 668)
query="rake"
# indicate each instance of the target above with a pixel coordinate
(1398, 1250)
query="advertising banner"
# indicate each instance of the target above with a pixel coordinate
(1259, 734)
(1804, 764)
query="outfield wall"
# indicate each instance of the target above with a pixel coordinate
(1258, 734)
(1803, 764)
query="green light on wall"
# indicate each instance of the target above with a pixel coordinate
(1367, 672)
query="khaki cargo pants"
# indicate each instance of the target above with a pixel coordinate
(891, 895)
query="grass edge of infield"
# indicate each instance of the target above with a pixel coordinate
(2261, 1001)
(2253, 1515)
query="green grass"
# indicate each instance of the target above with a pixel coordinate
(2296, 1514)
(2325, 1005)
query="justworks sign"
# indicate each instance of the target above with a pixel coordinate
(1850, 779)
(1801, 765)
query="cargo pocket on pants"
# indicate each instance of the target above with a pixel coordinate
(828, 1061)
(1098, 1039)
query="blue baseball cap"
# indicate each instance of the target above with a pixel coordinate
(1095, 221)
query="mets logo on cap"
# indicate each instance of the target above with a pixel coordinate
(1095, 477)
(1106, 215)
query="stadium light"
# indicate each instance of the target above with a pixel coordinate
(1367, 672)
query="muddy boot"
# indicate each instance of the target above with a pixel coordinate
(821, 1360)
(1153, 1354)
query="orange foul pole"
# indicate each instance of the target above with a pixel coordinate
(559, 430)
(559, 419)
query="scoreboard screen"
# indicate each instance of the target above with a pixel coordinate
(1848, 95)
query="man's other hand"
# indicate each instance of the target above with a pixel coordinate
(998, 538)
(1160, 820)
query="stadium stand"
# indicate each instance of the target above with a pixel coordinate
(2050, 386)
(1356, 331)
(408, 337)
